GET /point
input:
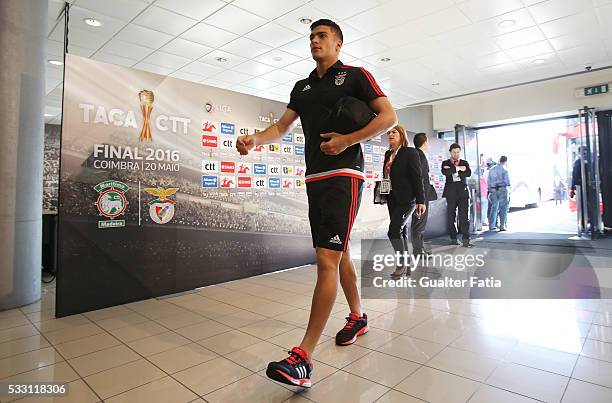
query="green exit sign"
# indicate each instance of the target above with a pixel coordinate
(598, 89)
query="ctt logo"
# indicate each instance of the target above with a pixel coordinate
(288, 183)
(244, 182)
(244, 131)
(210, 182)
(228, 128)
(210, 167)
(287, 149)
(228, 143)
(228, 167)
(299, 150)
(299, 171)
(288, 138)
(300, 139)
(244, 168)
(274, 183)
(210, 141)
(210, 126)
(274, 169)
(260, 183)
(228, 182)
(260, 169)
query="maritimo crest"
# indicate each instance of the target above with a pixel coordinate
(111, 202)
(161, 209)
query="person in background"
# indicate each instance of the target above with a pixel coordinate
(403, 169)
(419, 222)
(499, 182)
(457, 195)
(559, 190)
(576, 174)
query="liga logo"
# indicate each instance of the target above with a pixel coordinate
(111, 202)
(161, 209)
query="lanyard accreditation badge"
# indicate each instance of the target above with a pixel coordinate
(385, 187)
(456, 177)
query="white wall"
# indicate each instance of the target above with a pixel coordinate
(528, 100)
(416, 119)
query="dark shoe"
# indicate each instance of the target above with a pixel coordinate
(294, 370)
(399, 272)
(454, 242)
(503, 229)
(468, 244)
(355, 327)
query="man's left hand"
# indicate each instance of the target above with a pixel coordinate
(335, 145)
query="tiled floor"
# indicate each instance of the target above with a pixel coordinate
(213, 345)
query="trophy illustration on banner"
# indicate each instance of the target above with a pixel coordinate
(146, 106)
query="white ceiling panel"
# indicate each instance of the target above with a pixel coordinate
(478, 10)
(378, 19)
(80, 37)
(110, 26)
(277, 58)
(231, 60)
(124, 10)
(400, 35)
(168, 60)
(269, 9)
(281, 76)
(291, 20)
(573, 24)
(233, 76)
(259, 83)
(364, 47)
(519, 38)
(520, 19)
(302, 68)
(531, 50)
(235, 20)
(201, 69)
(163, 20)
(584, 38)
(477, 49)
(246, 47)
(341, 10)
(415, 9)
(492, 60)
(273, 35)
(196, 9)
(126, 49)
(183, 47)
(581, 56)
(299, 47)
(208, 35)
(553, 9)
(143, 36)
(254, 68)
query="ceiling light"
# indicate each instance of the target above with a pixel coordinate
(277, 58)
(539, 61)
(385, 59)
(48, 115)
(305, 20)
(435, 84)
(55, 62)
(506, 23)
(92, 22)
(221, 59)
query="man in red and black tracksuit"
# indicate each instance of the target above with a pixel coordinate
(334, 182)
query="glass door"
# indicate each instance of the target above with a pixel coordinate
(467, 138)
(588, 194)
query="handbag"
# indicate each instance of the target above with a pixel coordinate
(379, 198)
(431, 193)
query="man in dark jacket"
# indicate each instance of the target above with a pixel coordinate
(419, 221)
(457, 195)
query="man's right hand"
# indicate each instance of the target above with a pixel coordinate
(420, 209)
(244, 144)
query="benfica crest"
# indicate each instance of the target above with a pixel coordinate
(161, 209)
(339, 79)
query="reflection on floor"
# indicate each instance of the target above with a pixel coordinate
(213, 345)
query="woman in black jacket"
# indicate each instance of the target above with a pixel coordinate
(402, 170)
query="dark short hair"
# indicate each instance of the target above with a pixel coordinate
(453, 146)
(419, 139)
(328, 23)
(503, 159)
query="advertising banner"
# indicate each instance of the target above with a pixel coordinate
(155, 199)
